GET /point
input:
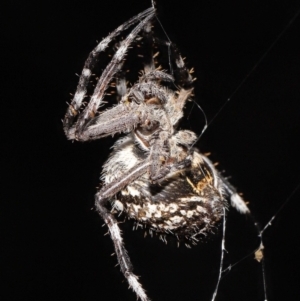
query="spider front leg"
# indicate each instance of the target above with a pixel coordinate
(121, 118)
(163, 164)
(101, 200)
(74, 129)
(165, 154)
(84, 80)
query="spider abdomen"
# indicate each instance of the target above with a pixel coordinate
(187, 205)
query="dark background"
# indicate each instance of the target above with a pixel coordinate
(53, 245)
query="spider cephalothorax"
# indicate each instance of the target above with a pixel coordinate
(153, 175)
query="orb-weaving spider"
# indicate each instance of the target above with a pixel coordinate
(154, 175)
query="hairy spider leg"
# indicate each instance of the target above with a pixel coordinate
(118, 119)
(235, 199)
(101, 199)
(148, 88)
(148, 43)
(105, 79)
(107, 75)
(147, 84)
(121, 86)
(182, 74)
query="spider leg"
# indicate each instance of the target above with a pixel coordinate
(182, 74)
(101, 200)
(118, 184)
(168, 170)
(236, 201)
(159, 152)
(121, 85)
(120, 118)
(106, 76)
(150, 72)
(158, 171)
(184, 138)
(123, 258)
(156, 75)
(89, 64)
(148, 44)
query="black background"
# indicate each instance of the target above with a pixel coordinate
(53, 246)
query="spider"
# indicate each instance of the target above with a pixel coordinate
(154, 174)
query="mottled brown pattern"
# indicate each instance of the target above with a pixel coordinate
(187, 204)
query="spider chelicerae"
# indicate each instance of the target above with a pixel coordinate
(154, 174)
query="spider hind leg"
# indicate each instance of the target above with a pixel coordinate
(123, 258)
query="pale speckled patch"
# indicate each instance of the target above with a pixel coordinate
(173, 208)
(190, 213)
(158, 214)
(201, 209)
(176, 219)
(132, 191)
(118, 205)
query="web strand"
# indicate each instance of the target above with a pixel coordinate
(241, 84)
(259, 251)
(222, 256)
